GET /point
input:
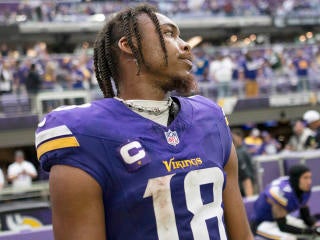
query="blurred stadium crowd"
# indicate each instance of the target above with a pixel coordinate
(56, 72)
(16, 11)
(275, 68)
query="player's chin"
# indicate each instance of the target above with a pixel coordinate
(185, 84)
(307, 189)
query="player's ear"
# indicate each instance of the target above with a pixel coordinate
(124, 45)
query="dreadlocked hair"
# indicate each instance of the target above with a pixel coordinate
(106, 50)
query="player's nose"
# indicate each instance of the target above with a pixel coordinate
(185, 46)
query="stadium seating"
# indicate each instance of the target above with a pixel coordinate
(13, 104)
(314, 165)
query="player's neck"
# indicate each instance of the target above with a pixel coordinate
(134, 96)
(141, 90)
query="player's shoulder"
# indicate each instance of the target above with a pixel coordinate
(65, 115)
(70, 120)
(65, 126)
(281, 182)
(280, 190)
(75, 116)
(206, 105)
(200, 101)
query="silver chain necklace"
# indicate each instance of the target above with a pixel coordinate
(150, 110)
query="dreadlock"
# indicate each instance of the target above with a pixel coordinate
(106, 51)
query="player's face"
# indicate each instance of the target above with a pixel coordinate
(177, 74)
(305, 182)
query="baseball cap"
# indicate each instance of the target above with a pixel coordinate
(311, 116)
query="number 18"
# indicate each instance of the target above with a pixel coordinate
(159, 190)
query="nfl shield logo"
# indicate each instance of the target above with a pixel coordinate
(172, 137)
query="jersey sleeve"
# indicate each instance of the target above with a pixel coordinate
(277, 195)
(59, 143)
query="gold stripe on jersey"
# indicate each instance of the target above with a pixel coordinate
(55, 144)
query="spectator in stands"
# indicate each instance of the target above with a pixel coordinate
(33, 84)
(269, 145)
(249, 72)
(246, 172)
(220, 71)
(312, 118)
(33, 81)
(77, 76)
(201, 65)
(21, 72)
(4, 50)
(273, 67)
(84, 69)
(253, 142)
(271, 217)
(21, 172)
(301, 65)
(298, 140)
(274, 60)
(6, 78)
(2, 180)
(49, 78)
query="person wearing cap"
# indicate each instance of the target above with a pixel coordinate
(300, 134)
(270, 145)
(21, 172)
(272, 217)
(312, 119)
(253, 142)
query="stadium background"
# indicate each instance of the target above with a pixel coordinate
(58, 36)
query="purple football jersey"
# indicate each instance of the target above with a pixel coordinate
(158, 182)
(281, 192)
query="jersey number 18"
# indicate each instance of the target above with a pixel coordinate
(159, 190)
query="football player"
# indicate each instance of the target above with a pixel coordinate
(140, 164)
(271, 218)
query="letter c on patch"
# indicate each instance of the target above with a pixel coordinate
(132, 152)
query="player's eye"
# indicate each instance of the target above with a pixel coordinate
(168, 33)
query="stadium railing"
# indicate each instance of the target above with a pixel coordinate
(273, 166)
(38, 189)
(25, 209)
(59, 98)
